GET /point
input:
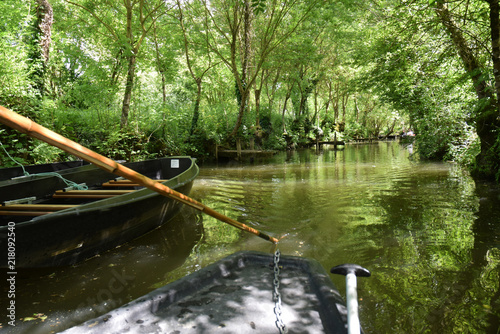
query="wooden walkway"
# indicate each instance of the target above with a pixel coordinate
(329, 142)
(244, 153)
(240, 154)
(372, 139)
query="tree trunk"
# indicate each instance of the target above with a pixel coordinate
(115, 74)
(345, 99)
(131, 56)
(163, 87)
(45, 20)
(330, 97)
(316, 105)
(243, 84)
(470, 62)
(42, 39)
(241, 112)
(336, 103)
(302, 106)
(495, 45)
(257, 107)
(271, 95)
(161, 69)
(196, 112)
(284, 110)
(486, 117)
(128, 90)
(344, 108)
(356, 109)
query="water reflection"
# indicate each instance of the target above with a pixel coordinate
(429, 235)
(415, 225)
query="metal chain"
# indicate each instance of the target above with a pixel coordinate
(276, 296)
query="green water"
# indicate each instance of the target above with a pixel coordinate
(428, 233)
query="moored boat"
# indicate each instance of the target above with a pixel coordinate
(234, 295)
(45, 222)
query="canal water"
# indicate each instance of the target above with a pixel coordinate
(428, 233)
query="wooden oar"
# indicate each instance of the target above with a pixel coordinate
(35, 130)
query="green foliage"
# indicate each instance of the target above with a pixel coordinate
(402, 76)
(11, 147)
(491, 163)
(416, 75)
(16, 89)
(259, 6)
(356, 131)
(18, 149)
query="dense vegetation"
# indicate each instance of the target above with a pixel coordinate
(135, 79)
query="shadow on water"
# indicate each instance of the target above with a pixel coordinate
(486, 254)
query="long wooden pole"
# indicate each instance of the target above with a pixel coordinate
(35, 130)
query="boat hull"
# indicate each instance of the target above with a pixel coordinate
(233, 295)
(72, 235)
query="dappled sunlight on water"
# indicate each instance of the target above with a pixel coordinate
(428, 234)
(413, 224)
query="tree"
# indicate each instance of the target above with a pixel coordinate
(486, 117)
(45, 18)
(16, 17)
(244, 36)
(410, 64)
(42, 40)
(198, 65)
(127, 25)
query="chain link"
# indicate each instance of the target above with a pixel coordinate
(276, 296)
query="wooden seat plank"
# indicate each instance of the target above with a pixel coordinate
(124, 183)
(120, 184)
(95, 194)
(128, 181)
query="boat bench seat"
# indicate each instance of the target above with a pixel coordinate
(124, 183)
(89, 193)
(31, 209)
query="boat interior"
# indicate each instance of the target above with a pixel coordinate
(40, 195)
(66, 198)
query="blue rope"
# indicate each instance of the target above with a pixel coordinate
(69, 183)
(11, 158)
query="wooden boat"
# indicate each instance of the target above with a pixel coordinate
(44, 223)
(233, 295)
